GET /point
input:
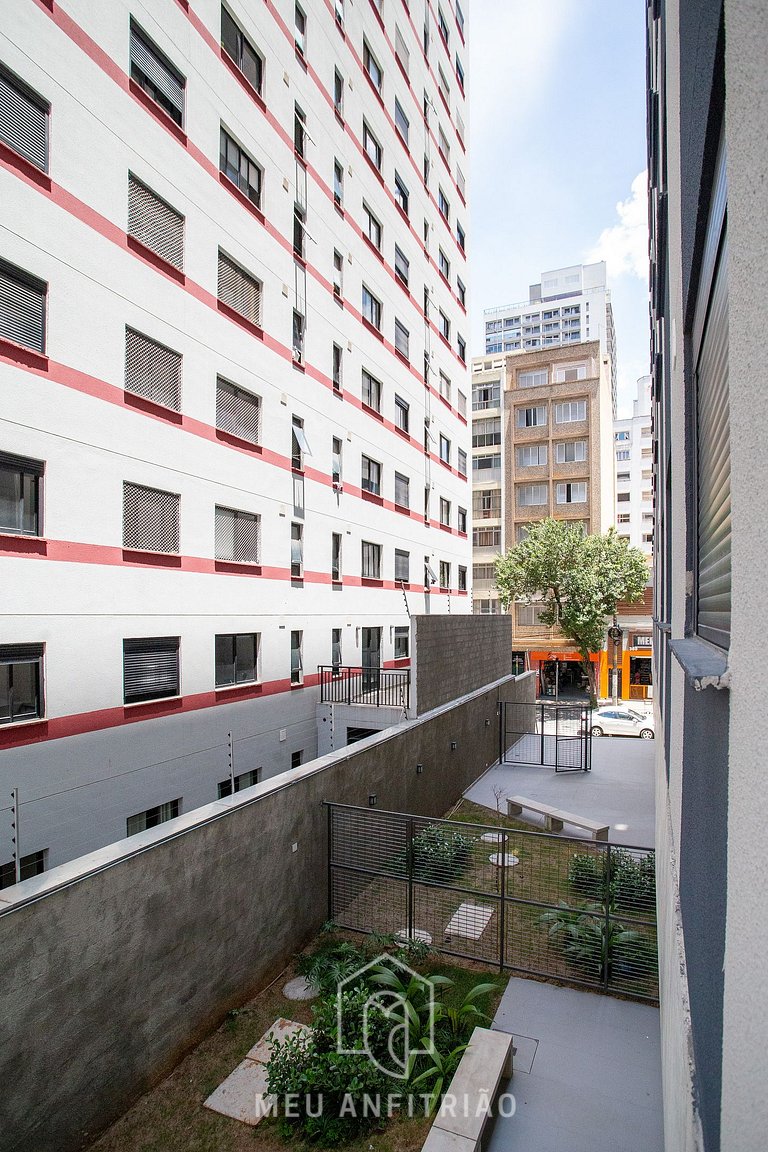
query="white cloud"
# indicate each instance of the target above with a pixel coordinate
(624, 246)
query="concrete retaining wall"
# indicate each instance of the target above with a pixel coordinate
(453, 655)
(114, 965)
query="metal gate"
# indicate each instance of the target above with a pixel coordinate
(557, 736)
(550, 906)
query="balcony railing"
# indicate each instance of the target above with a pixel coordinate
(380, 687)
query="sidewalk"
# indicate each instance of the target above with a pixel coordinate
(587, 1072)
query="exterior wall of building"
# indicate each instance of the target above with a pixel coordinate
(438, 677)
(634, 472)
(708, 211)
(75, 588)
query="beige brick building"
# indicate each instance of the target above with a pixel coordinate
(542, 439)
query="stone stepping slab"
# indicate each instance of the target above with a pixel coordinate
(469, 920)
(243, 1095)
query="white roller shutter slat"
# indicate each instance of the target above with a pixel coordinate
(150, 519)
(154, 223)
(22, 310)
(149, 61)
(150, 668)
(239, 290)
(238, 412)
(152, 370)
(23, 123)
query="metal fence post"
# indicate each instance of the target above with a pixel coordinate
(502, 714)
(329, 866)
(541, 707)
(16, 833)
(231, 759)
(502, 843)
(410, 869)
(607, 875)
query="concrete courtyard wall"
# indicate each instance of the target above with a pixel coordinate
(453, 655)
(114, 965)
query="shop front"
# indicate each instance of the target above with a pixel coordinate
(561, 675)
(634, 666)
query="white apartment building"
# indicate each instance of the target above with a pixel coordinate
(567, 306)
(233, 414)
(633, 445)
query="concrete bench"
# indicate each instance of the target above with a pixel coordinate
(459, 1124)
(554, 818)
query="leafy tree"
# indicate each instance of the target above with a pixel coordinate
(580, 579)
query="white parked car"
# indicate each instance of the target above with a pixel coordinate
(618, 721)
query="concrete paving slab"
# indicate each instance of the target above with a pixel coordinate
(280, 1030)
(469, 920)
(243, 1095)
(619, 791)
(594, 1083)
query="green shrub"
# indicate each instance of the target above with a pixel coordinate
(330, 963)
(439, 854)
(595, 947)
(632, 880)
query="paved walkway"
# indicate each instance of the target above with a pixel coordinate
(587, 1072)
(619, 791)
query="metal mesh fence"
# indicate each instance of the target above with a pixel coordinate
(553, 906)
(555, 735)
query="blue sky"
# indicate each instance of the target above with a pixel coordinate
(557, 119)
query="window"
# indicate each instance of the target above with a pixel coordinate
(371, 476)
(445, 574)
(152, 817)
(486, 396)
(371, 391)
(401, 194)
(570, 411)
(402, 413)
(150, 668)
(338, 273)
(338, 92)
(299, 218)
(336, 557)
(462, 462)
(445, 387)
(461, 520)
(150, 519)
(238, 536)
(459, 18)
(371, 561)
(402, 266)
(529, 615)
(486, 504)
(531, 455)
(443, 146)
(336, 449)
(239, 290)
(30, 865)
(402, 640)
(153, 72)
(623, 497)
(621, 436)
(338, 184)
(401, 122)
(402, 54)
(444, 264)
(152, 371)
(461, 293)
(297, 337)
(337, 368)
(297, 550)
(486, 537)
(623, 454)
(371, 309)
(442, 26)
(237, 659)
(568, 373)
(443, 204)
(371, 147)
(445, 449)
(486, 433)
(459, 72)
(534, 379)
(336, 650)
(531, 417)
(299, 28)
(372, 67)
(24, 120)
(530, 495)
(297, 661)
(623, 518)
(461, 348)
(372, 227)
(486, 463)
(240, 168)
(237, 412)
(20, 492)
(240, 50)
(243, 781)
(402, 491)
(402, 339)
(402, 566)
(484, 571)
(572, 493)
(442, 84)
(21, 683)
(622, 476)
(299, 131)
(444, 325)
(299, 444)
(571, 451)
(22, 308)
(461, 237)
(445, 512)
